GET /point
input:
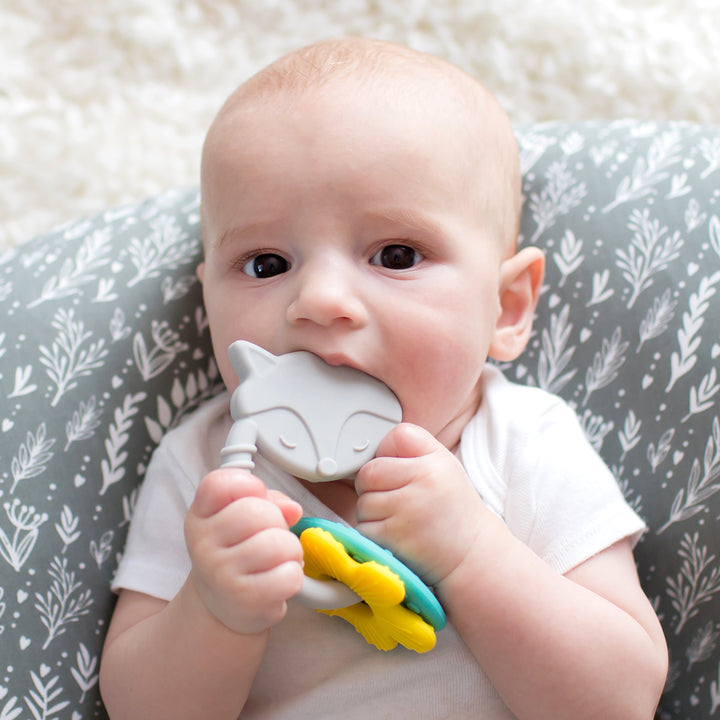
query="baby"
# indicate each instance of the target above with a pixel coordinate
(361, 201)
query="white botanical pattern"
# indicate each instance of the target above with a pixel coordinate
(105, 347)
(85, 366)
(628, 332)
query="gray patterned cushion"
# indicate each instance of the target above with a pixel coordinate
(105, 346)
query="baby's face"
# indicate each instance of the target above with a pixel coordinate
(353, 233)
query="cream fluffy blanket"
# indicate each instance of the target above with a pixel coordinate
(107, 101)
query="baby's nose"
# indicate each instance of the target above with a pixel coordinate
(327, 294)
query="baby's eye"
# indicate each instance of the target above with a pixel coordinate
(396, 257)
(266, 265)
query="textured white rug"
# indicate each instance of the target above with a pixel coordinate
(107, 101)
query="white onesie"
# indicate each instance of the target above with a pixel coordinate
(527, 456)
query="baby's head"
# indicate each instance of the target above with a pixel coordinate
(361, 200)
(467, 123)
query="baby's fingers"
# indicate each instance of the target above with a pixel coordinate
(291, 510)
(269, 549)
(221, 487)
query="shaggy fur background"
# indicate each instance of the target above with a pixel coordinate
(107, 101)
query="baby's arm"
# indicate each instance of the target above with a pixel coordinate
(586, 645)
(196, 656)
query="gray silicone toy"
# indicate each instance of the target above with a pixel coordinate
(316, 421)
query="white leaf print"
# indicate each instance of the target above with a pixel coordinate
(714, 230)
(167, 346)
(683, 361)
(174, 289)
(630, 434)
(600, 289)
(177, 394)
(657, 319)
(678, 186)
(166, 248)
(75, 272)
(606, 364)
(100, 551)
(690, 501)
(83, 422)
(201, 320)
(155, 430)
(710, 150)
(595, 428)
(6, 289)
(64, 603)
(701, 396)
(657, 455)
(649, 252)
(555, 356)
(715, 693)
(532, 148)
(105, 293)
(32, 457)
(648, 172)
(68, 527)
(696, 582)
(604, 152)
(16, 546)
(9, 711)
(84, 672)
(112, 467)
(2, 608)
(128, 505)
(184, 398)
(22, 382)
(40, 700)
(693, 217)
(703, 644)
(69, 358)
(560, 195)
(570, 256)
(118, 329)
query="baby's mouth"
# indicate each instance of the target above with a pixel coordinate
(338, 359)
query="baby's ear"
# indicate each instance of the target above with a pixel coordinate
(521, 278)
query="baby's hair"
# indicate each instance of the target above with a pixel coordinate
(357, 58)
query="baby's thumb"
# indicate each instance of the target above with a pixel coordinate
(407, 441)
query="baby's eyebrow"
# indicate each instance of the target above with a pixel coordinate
(409, 218)
(242, 233)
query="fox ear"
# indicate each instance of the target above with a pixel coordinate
(521, 278)
(249, 359)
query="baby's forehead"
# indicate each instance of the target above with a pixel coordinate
(404, 82)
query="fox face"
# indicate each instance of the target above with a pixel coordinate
(316, 421)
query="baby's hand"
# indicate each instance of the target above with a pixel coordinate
(416, 499)
(245, 561)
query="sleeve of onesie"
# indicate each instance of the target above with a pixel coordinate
(155, 560)
(564, 499)
(527, 454)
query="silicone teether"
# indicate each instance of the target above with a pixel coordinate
(320, 423)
